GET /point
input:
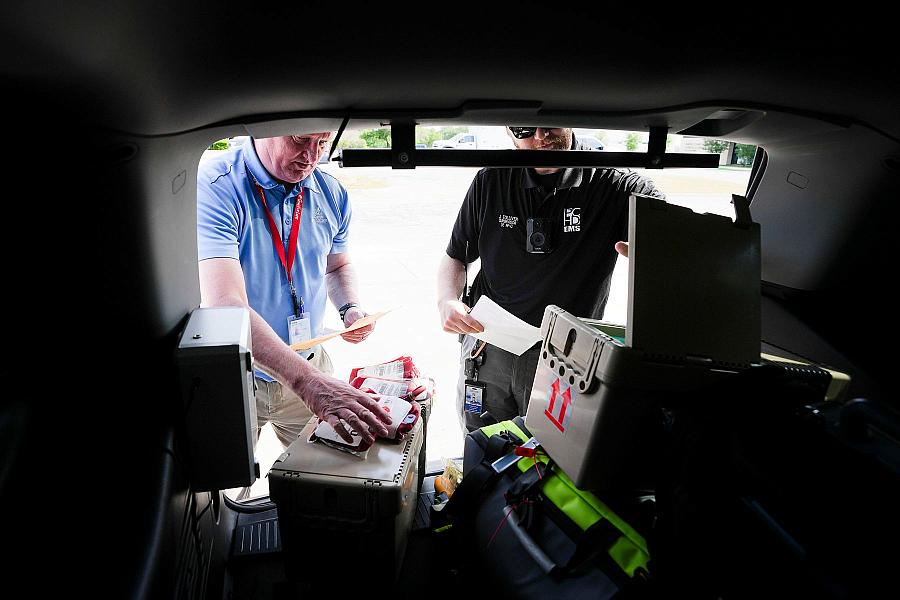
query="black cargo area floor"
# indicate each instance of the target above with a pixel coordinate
(256, 569)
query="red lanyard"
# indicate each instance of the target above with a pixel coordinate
(288, 262)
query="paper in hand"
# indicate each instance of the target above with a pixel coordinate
(358, 324)
(503, 329)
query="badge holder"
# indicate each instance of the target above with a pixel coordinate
(474, 396)
(474, 399)
(299, 328)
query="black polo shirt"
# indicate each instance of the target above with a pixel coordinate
(588, 209)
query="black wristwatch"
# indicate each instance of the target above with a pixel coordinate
(343, 310)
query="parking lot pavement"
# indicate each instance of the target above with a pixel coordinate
(401, 225)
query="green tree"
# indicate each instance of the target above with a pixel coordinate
(448, 132)
(351, 141)
(377, 138)
(715, 146)
(744, 154)
(631, 141)
(426, 135)
(381, 138)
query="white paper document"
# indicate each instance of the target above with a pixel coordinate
(503, 329)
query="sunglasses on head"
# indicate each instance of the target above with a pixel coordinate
(523, 133)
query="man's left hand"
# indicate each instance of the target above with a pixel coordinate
(357, 335)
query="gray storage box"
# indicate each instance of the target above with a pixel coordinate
(594, 405)
(693, 318)
(215, 369)
(342, 517)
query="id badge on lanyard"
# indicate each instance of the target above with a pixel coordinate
(299, 328)
(299, 323)
(474, 398)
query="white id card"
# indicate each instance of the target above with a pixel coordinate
(299, 328)
(474, 396)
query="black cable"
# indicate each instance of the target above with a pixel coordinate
(244, 507)
(198, 540)
(208, 505)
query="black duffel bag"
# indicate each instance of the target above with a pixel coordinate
(528, 532)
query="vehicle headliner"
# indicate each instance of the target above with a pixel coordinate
(152, 70)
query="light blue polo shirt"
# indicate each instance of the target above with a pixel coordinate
(232, 223)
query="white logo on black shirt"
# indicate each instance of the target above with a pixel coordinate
(508, 221)
(572, 220)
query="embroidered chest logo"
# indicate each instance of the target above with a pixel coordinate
(508, 221)
(319, 217)
(572, 220)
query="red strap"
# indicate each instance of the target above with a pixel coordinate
(288, 262)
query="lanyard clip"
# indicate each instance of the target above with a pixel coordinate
(297, 302)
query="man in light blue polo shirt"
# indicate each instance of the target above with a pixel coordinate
(272, 236)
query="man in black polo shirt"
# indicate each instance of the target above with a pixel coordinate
(579, 216)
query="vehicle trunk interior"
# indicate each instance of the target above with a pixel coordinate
(109, 108)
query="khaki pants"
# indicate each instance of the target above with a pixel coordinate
(284, 409)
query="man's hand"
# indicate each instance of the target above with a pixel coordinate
(333, 400)
(622, 248)
(455, 318)
(357, 335)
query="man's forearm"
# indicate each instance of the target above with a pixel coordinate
(275, 357)
(327, 398)
(270, 353)
(454, 314)
(451, 279)
(222, 284)
(342, 285)
(340, 280)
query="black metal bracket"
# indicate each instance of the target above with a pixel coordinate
(742, 218)
(404, 155)
(403, 145)
(519, 158)
(656, 147)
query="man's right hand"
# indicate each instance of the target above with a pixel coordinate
(332, 400)
(455, 318)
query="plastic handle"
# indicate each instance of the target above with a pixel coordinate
(562, 365)
(544, 562)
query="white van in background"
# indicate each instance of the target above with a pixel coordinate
(477, 138)
(460, 140)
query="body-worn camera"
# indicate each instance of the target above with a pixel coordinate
(539, 238)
